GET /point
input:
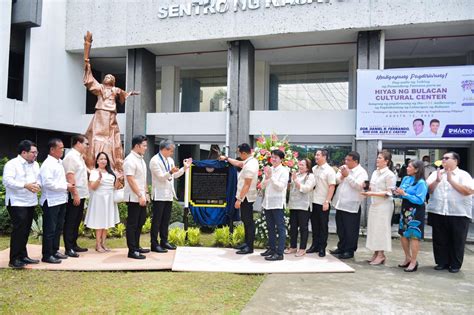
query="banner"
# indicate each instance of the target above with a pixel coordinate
(416, 103)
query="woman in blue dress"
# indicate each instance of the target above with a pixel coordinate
(412, 190)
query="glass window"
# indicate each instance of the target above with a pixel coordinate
(203, 90)
(309, 87)
(16, 63)
(337, 153)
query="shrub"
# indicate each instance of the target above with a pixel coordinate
(194, 236)
(82, 229)
(122, 207)
(177, 236)
(118, 230)
(238, 236)
(222, 236)
(147, 226)
(37, 228)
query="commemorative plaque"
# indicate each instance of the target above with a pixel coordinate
(208, 186)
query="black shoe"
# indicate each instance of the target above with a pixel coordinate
(268, 252)
(78, 249)
(71, 253)
(136, 255)
(312, 249)
(454, 270)
(58, 255)
(346, 255)
(241, 246)
(244, 251)
(158, 249)
(51, 260)
(168, 246)
(17, 264)
(441, 267)
(143, 250)
(28, 260)
(336, 251)
(274, 257)
(412, 270)
(322, 253)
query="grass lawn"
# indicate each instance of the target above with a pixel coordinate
(36, 291)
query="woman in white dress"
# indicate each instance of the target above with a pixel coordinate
(379, 225)
(102, 212)
(301, 188)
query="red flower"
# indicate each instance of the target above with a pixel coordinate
(290, 163)
(295, 154)
(261, 140)
(281, 149)
(274, 138)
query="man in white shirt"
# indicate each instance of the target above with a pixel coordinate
(53, 201)
(135, 194)
(434, 129)
(350, 178)
(76, 174)
(450, 212)
(246, 193)
(325, 177)
(163, 173)
(20, 178)
(275, 183)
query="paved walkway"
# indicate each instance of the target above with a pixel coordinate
(382, 289)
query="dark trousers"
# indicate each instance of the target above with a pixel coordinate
(53, 221)
(74, 215)
(276, 224)
(347, 225)
(449, 238)
(21, 218)
(246, 215)
(160, 222)
(319, 225)
(135, 220)
(299, 220)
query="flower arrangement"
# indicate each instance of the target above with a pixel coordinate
(261, 229)
(262, 152)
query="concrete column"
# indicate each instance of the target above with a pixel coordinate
(170, 89)
(5, 26)
(190, 95)
(369, 55)
(262, 85)
(141, 76)
(242, 77)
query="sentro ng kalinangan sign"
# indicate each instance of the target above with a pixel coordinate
(210, 7)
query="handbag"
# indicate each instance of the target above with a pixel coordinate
(119, 195)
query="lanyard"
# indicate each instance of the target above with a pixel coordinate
(167, 167)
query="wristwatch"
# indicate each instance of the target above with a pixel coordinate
(239, 199)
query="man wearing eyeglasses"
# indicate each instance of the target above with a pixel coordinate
(449, 211)
(20, 178)
(76, 174)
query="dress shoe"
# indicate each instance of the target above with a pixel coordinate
(78, 249)
(268, 252)
(136, 255)
(322, 253)
(158, 249)
(454, 270)
(274, 257)
(413, 269)
(441, 267)
(336, 251)
(51, 260)
(345, 255)
(17, 264)
(71, 253)
(28, 260)
(241, 246)
(143, 250)
(245, 251)
(58, 255)
(168, 246)
(312, 250)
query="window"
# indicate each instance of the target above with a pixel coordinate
(309, 87)
(16, 63)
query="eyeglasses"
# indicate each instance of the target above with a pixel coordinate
(445, 158)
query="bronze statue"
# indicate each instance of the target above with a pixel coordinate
(103, 132)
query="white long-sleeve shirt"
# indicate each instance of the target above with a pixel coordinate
(16, 173)
(348, 197)
(275, 188)
(53, 182)
(300, 199)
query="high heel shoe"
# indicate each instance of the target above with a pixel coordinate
(300, 253)
(404, 265)
(99, 249)
(413, 269)
(372, 258)
(290, 250)
(376, 262)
